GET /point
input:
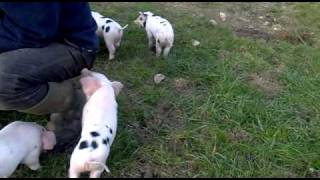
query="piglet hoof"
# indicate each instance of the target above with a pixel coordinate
(111, 58)
(35, 167)
(153, 49)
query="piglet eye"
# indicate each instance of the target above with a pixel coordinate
(141, 19)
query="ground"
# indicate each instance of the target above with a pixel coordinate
(243, 103)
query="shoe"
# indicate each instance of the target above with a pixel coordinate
(64, 102)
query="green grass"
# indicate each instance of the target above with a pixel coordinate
(221, 124)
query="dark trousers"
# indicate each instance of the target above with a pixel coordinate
(25, 73)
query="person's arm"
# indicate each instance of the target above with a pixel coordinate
(32, 25)
(28, 25)
(78, 26)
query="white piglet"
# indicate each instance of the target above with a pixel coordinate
(159, 32)
(110, 31)
(99, 125)
(21, 143)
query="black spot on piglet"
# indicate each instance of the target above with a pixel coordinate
(94, 144)
(83, 144)
(108, 21)
(94, 134)
(107, 29)
(105, 141)
(110, 131)
(102, 27)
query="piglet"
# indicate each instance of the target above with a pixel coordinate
(110, 31)
(159, 32)
(99, 125)
(21, 143)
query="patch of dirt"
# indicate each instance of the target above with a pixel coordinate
(236, 135)
(265, 83)
(254, 19)
(249, 32)
(164, 116)
(304, 37)
(148, 171)
(176, 144)
(151, 170)
(143, 133)
(182, 85)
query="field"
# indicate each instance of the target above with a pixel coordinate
(243, 103)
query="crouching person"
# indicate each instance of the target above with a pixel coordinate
(43, 48)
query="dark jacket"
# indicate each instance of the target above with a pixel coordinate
(32, 25)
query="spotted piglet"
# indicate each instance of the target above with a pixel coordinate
(110, 31)
(22, 143)
(99, 125)
(159, 32)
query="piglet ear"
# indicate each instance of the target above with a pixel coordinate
(48, 140)
(89, 85)
(117, 86)
(140, 12)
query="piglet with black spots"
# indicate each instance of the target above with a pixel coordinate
(110, 31)
(159, 32)
(22, 143)
(99, 125)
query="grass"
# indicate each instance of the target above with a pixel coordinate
(243, 107)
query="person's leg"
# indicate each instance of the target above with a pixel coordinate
(39, 81)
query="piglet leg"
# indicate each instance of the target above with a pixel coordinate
(32, 160)
(166, 51)
(158, 49)
(150, 40)
(73, 173)
(110, 46)
(96, 174)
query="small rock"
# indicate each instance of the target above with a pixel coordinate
(213, 22)
(266, 23)
(223, 16)
(261, 17)
(195, 43)
(158, 78)
(251, 27)
(276, 27)
(311, 169)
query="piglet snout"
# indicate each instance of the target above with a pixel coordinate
(48, 140)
